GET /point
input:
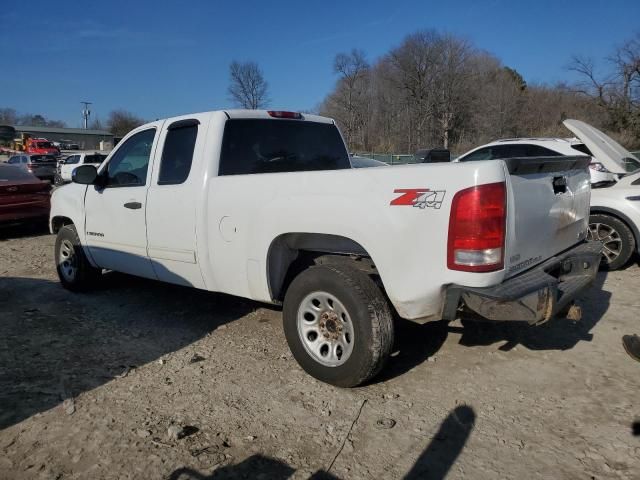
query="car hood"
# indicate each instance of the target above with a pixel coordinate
(605, 149)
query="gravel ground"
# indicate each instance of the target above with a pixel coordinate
(145, 380)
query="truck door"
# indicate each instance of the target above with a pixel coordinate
(175, 187)
(115, 221)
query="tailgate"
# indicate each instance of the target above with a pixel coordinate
(548, 208)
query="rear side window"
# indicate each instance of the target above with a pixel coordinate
(582, 148)
(482, 154)
(538, 151)
(270, 146)
(177, 154)
(95, 159)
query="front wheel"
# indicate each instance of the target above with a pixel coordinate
(73, 267)
(338, 324)
(617, 240)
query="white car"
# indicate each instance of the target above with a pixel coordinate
(615, 217)
(66, 166)
(606, 165)
(266, 205)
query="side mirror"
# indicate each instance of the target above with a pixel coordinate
(84, 175)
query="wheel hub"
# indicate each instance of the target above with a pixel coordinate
(330, 327)
(325, 329)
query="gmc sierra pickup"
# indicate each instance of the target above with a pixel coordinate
(265, 205)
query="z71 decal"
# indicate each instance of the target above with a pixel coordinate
(419, 197)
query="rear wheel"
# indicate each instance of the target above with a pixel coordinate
(617, 240)
(73, 267)
(338, 324)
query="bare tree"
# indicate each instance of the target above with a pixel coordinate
(248, 88)
(617, 91)
(438, 89)
(8, 116)
(351, 94)
(120, 122)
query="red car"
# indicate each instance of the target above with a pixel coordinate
(41, 146)
(22, 195)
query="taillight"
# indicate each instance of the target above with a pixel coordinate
(477, 229)
(282, 114)
(598, 167)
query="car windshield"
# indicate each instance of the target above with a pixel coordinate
(44, 145)
(9, 173)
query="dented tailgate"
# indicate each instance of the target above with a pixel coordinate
(548, 205)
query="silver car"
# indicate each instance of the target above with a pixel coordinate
(42, 166)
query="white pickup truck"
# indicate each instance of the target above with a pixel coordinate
(265, 205)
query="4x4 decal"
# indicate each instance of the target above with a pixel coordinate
(419, 197)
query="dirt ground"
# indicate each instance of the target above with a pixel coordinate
(145, 380)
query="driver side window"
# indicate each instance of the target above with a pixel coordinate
(128, 166)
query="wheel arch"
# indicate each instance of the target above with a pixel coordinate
(290, 253)
(623, 218)
(59, 221)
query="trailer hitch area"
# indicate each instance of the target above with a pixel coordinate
(574, 313)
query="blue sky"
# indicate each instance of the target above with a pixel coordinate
(161, 58)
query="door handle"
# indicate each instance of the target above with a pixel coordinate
(133, 205)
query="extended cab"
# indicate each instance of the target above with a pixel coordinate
(265, 205)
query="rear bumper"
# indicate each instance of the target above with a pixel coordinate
(534, 296)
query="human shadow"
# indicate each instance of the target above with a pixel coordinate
(254, 466)
(434, 462)
(55, 344)
(437, 459)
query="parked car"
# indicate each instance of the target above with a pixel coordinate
(615, 205)
(434, 155)
(265, 205)
(615, 220)
(23, 196)
(606, 164)
(42, 166)
(366, 162)
(65, 169)
(41, 146)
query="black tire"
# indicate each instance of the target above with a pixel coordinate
(69, 253)
(370, 317)
(614, 257)
(57, 180)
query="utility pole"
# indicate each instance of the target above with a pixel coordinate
(85, 114)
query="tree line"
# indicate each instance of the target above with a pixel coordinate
(439, 90)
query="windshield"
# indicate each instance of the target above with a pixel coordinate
(44, 145)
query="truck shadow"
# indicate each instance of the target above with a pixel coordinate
(557, 334)
(416, 343)
(55, 344)
(433, 463)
